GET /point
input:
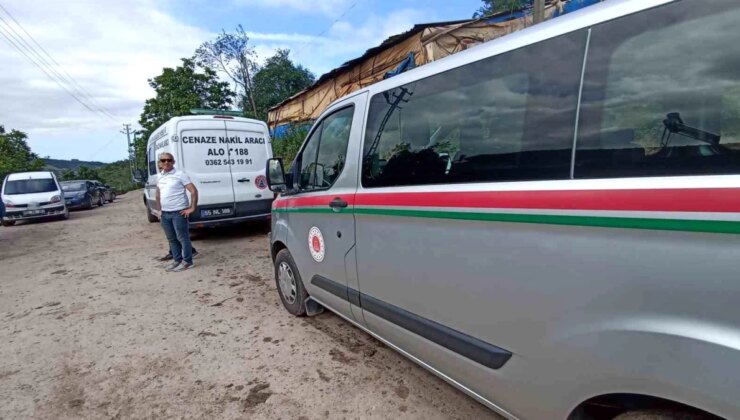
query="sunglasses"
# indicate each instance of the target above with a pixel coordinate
(166, 160)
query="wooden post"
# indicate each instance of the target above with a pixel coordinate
(539, 11)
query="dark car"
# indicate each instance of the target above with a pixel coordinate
(108, 194)
(82, 194)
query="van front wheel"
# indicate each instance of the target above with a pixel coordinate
(289, 284)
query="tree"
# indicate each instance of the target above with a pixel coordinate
(83, 172)
(491, 7)
(68, 175)
(15, 154)
(179, 90)
(277, 80)
(231, 54)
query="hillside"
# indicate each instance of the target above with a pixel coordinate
(58, 165)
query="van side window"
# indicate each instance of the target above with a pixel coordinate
(323, 157)
(152, 162)
(509, 117)
(661, 94)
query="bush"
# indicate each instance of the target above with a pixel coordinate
(287, 145)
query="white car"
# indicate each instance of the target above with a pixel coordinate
(32, 195)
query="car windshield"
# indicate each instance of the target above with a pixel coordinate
(30, 186)
(73, 186)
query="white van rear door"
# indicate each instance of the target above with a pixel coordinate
(249, 149)
(205, 158)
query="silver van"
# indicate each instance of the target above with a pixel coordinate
(550, 221)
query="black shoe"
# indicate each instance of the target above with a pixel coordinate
(195, 254)
(166, 257)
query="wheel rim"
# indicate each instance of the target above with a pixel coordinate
(287, 283)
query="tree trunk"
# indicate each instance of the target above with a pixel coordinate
(245, 69)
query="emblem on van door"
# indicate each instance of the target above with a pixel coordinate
(316, 244)
(261, 182)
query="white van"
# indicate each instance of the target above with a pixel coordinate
(549, 221)
(224, 156)
(32, 195)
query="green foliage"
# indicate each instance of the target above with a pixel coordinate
(116, 174)
(177, 91)
(15, 154)
(180, 89)
(491, 7)
(278, 80)
(68, 175)
(287, 146)
(231, 54)
(88, 173)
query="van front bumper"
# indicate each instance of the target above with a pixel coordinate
(24, 214)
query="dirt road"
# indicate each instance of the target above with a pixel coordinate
(92, 327)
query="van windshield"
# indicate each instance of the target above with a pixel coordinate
(73, 186)
(30, 186)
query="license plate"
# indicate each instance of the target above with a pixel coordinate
(68, 202)
(226, 211)
(32, 212)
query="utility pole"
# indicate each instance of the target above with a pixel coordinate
(131, 153)
(539, 11)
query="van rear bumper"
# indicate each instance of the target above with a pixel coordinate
(245, 211)
(230, 221)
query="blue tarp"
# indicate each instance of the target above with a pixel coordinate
(407, 64)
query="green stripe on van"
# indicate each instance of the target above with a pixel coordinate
(710, 226)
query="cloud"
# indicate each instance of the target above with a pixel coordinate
(109, 49)
(332, 8)
(345, 40)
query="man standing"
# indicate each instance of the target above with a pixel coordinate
(172, 203)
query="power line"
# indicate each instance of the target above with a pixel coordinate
(69, 81)
(302, 46)
(12, 43)
(17, 41)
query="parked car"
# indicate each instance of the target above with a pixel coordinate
(32, 195)
(111, 193)
(82, 194)
(105, 191)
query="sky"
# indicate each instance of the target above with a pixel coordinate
(109, 49)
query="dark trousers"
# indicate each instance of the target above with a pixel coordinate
(175, 227)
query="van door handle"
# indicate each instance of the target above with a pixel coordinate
(338, 203)
(242, 180)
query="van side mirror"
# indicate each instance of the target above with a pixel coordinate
(276, 181)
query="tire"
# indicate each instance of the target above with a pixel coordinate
(89, 204)
(112, 197)
(101, 200)
(658, 415)
(292, 293)
(150, 217)
(8, 223)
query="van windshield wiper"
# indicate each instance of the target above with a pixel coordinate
(674, 125)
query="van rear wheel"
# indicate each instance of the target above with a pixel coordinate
(289, 284)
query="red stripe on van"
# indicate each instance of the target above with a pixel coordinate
(721, 200)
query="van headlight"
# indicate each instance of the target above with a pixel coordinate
(56, 199)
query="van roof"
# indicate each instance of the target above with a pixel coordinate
(227, 118)
(30, 175)
(580, 19)
(214, 117)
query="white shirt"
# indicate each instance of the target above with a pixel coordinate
(172, 192)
